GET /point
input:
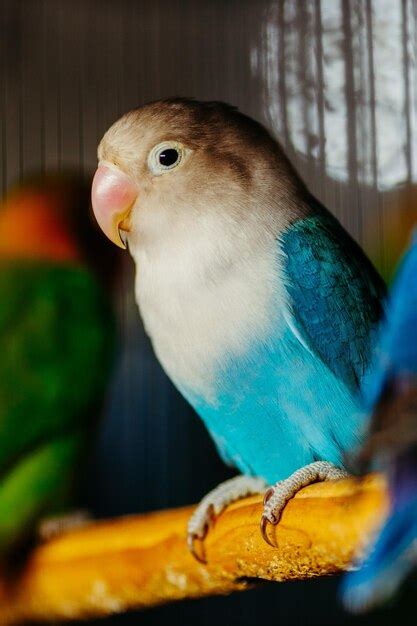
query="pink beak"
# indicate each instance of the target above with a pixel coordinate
(113, 194)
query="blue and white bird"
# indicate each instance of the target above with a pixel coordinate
(390, 397)
(260, 307)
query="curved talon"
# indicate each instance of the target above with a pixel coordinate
(192, 540)
(213, 504)
(211, 518)
(264, 525)
(268, 494)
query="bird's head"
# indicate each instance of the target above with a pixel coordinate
(172, 166)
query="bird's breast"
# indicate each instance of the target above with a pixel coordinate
(199, 325)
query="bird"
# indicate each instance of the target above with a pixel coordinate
(389, 395)
(58, 337)
(260, 307)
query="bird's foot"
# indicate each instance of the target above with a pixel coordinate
(213, 504)
(278, 495)
(51, 527)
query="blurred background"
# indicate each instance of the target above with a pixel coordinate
(336, 82)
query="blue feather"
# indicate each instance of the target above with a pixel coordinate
(387, 566)
(289, 399)
(336, 295)
(390, 394)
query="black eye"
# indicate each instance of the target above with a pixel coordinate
(168, 157)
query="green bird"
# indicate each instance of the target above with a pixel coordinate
(57, 338)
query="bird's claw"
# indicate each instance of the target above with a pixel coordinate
(213, 504)
(277, 496)
(268, 494)
(267, 519)
(193, 540)
(264, 527)
(196, 537)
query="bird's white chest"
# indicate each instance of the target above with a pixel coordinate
(199, 319)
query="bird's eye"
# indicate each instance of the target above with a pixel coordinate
(165, 156)
(168, 157)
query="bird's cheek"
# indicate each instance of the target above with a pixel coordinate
(113, 195)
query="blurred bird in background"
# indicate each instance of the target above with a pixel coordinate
(57, 337)
(259, 305)
(390, 396)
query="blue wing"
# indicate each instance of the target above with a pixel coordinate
(336, 295)
(280, 405)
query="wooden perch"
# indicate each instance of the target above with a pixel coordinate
(141, 561)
